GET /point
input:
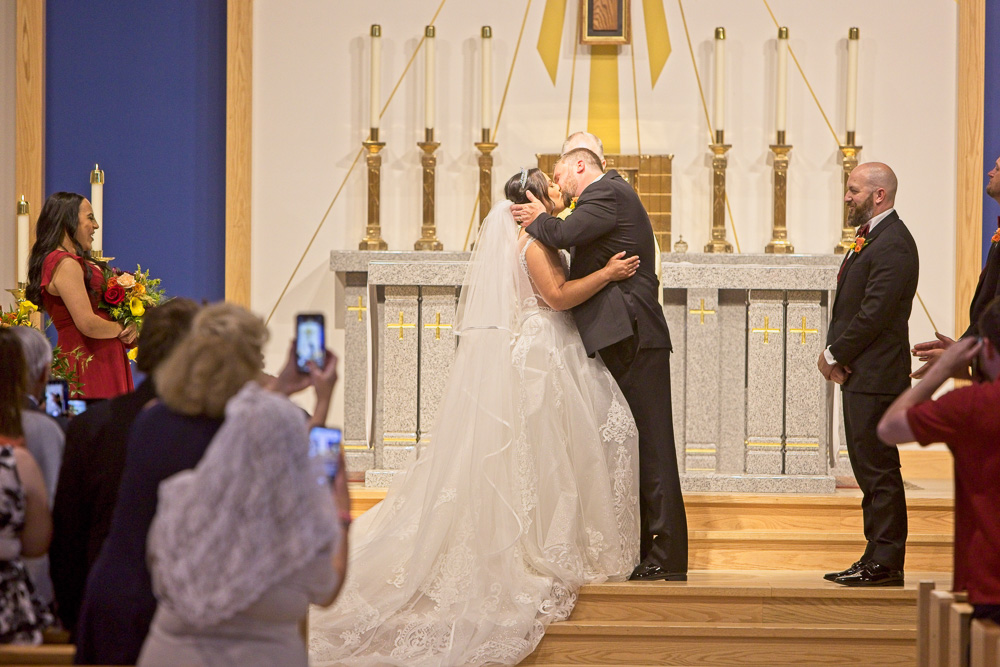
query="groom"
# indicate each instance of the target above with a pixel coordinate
(624, 323)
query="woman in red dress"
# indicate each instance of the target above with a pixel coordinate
(68, 283)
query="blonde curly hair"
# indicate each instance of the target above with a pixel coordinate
(221, 353)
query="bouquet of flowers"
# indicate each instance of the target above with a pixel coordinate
(126, 295)
(19, 315)
(65, 365)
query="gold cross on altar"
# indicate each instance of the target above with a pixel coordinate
(702, 312)
(767, 329)
(401, 325)
(803, 330)
(360, 308)
(437, 326)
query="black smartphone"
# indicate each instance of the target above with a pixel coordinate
(56, 396)
(324, 446)
(310, 340)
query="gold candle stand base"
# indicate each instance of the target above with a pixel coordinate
(373, 231)
(428, 232)
(485, 177)
(719, 244)
(779, 244)
(18, 292)
(849, 160)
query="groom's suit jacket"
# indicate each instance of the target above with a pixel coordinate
(987, 289)
(608, 219)
(869, 330)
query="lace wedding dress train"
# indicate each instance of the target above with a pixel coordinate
(528, 490)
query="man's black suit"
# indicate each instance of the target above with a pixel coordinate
(987, 289)
(624, 322)
(869, 334)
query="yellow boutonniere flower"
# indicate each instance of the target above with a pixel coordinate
(25, 308)
(572, 204)
(135, 305)
(133, 353)
(859, 243)
(996, 235)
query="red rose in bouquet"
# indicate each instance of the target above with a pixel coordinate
(114, 294)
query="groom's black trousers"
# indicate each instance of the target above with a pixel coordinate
(644, 377)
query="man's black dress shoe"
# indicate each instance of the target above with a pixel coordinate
(650, 572)
(831, 576)
(872, 574)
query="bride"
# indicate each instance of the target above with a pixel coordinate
(528, 491)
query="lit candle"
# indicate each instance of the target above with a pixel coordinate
(374, 104)
(23, 247)
(97, 202)
(487, 34)
(719, 103)
(852, 78)
(429, 77)
(781, 91)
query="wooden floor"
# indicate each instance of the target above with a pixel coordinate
(755, 593)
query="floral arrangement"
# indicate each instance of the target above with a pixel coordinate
(859, 243)
(19, 315)
(996, 235)
(65, 365)
(127, 295)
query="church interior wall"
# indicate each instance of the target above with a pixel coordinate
(310, 114)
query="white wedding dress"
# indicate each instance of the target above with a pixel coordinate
(528, 490)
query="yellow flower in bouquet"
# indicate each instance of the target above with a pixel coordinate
(139, 289)
(135, 305)
(26, 308)
(133, 353)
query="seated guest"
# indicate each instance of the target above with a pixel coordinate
(94, 460)
(244, 543)
(967, 420)
(222, 352)
(25, 524)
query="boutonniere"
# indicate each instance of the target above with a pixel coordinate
(859, 243)
(572, 207)
(996, 235)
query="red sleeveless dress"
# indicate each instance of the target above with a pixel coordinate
(108, 374)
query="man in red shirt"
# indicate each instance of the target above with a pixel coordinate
(968, 421)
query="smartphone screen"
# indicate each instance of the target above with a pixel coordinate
(56, 395)
(76, 406)
(310, 340)
(324, 446)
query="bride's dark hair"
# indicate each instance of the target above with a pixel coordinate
(526, 180)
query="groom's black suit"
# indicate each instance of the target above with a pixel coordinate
(624, 322)
(869, 334)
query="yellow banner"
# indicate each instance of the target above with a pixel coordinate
(657, 37)
(602, 111)
(550, 36)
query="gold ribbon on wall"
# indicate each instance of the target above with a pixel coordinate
(603, 117)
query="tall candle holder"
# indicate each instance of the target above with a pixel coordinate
(719, 162)
(428, 232)
(849, 160)
(18, 292)
(779, 244)
(373, 231)
(486, 148)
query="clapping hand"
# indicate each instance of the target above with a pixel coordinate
(930, 352)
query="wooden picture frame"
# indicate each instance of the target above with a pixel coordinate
(605, 22)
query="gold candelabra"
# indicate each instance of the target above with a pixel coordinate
(486, 148)
(719, 161)
(428, 232)
(779, 244)
(849, 159)
(373, 231)
(18, 292)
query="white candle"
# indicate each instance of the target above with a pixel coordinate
(852, 78)
(23, 246)
(429, 77)
(718, 101)
(781, 91)
(97, 203)
(376, 74)
(487, 34)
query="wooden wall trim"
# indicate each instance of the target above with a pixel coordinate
(29, 142)
(969, 156)
(239, 176)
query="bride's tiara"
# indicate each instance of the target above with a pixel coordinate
(524, 177)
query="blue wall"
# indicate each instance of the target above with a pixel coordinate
(140, 87)
(991, 117)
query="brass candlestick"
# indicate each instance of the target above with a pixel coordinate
(849, 159)
(779, 244)
(373, 231)
(719, 161)
(485, 174)
(18, 292)
(428, 232)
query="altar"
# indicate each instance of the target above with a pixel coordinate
(751, 412)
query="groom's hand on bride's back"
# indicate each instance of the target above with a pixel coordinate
(525, 214)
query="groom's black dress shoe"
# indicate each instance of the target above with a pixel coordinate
(650, 572)
(832, 576)
(872, 574)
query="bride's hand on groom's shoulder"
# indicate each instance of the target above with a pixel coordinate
(525, 214)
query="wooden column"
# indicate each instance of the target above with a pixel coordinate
(29, 145)
(239, 175)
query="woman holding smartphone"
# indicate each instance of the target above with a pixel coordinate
(67, 283)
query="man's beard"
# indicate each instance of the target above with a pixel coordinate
(993, 187)
(862, 213)
(566, 200)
